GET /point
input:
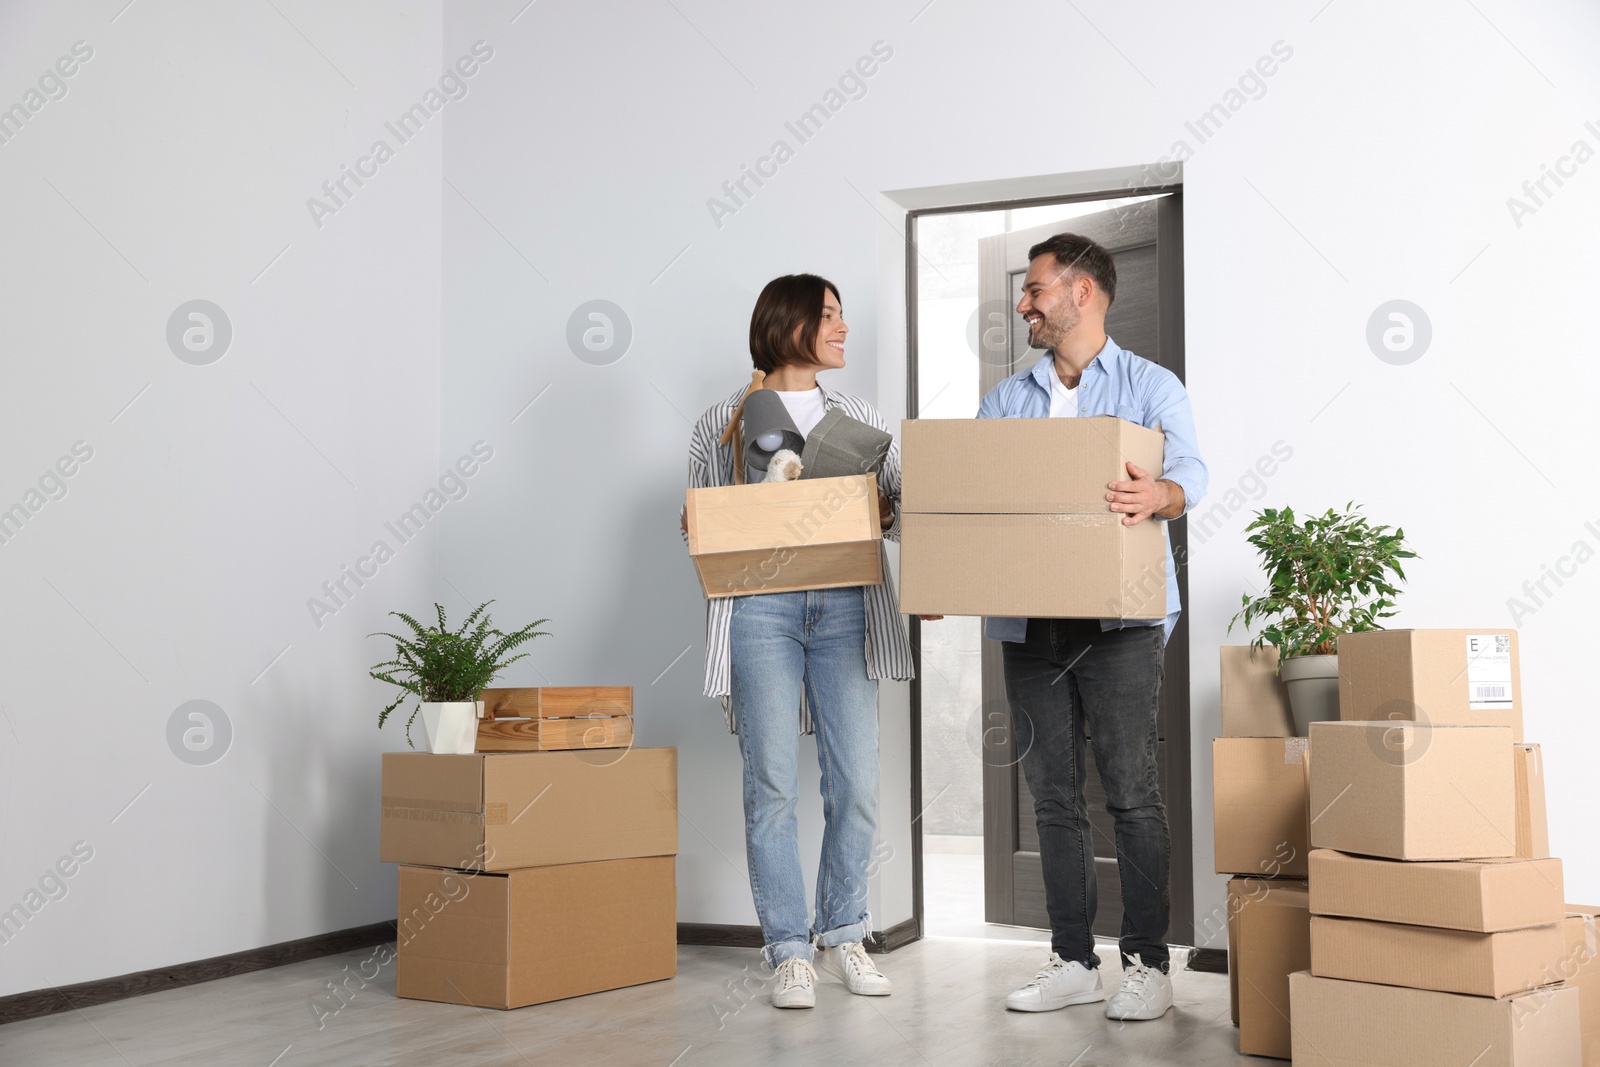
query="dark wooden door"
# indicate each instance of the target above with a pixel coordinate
(1146, 240)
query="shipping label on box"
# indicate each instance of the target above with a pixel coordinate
(1260, 809)
(1255, 702)
(1425, 957)
(1009, 517)
(1470, 677)
(1412, 791)
(1361, 1024)
(779, 537)
(1477, 895)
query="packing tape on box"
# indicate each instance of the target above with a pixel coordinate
(415, 814)
(1589, 938)
(1294, 749)
(1538, 759)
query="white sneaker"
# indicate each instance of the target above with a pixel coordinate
(850, 964)
(796, 984)
(1146, 993)
(1062, 982)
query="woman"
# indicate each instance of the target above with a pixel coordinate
(800, 662)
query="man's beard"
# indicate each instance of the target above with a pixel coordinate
(1050, 333)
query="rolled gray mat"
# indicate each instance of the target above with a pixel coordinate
(767, 428)
(840, 446)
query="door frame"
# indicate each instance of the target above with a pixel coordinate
(1165, 177)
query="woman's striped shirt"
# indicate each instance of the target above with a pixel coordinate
(888, 651)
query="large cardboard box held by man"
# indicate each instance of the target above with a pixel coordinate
(1413, 791)
(499, 811)
(1469, 677)
(1479, 895)
(1359, 1024)
(1268, 940)
(779, 537)
(1427, 957)
(1010, 517)
(509, 939)
(1258, 789)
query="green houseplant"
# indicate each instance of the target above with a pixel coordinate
(1328, 575)
(445, 670)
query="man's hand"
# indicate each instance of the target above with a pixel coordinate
(885, 510)
(1145, 496)
(930, 618)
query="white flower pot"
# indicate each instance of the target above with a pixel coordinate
(1313, 683)
(452, 727)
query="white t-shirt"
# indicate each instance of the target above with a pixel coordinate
(1063, 401)
(804, 407)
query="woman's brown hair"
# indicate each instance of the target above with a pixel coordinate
(787, 302)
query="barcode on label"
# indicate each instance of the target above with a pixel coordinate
(1489, 692)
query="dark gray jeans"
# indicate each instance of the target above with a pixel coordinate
(1072, 687)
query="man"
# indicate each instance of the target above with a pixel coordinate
(1077, 683)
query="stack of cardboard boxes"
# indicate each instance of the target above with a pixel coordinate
(1428, 915)
(1261, 819)
(1437, 922)
(532, 876)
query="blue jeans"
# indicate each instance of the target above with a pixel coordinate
(781, 642)
(1073, 687)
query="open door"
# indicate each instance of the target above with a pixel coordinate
(1146, 241)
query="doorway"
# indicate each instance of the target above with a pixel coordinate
(976, 848)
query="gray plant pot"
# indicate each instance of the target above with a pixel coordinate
(1313, 683)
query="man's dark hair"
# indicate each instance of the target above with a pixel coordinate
(1078, 254)
(786, 302)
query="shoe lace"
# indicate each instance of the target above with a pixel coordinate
(1136, 979)
(793, 973)
(856, 958)
(1051, 970)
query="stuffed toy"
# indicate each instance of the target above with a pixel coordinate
(785, 466)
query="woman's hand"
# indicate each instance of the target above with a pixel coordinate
(885, 510)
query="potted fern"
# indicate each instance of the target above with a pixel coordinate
(445, 670)
(1329, 575)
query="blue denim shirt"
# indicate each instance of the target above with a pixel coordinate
(1130, 387)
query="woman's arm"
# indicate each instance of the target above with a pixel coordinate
(699, 470)
(888, 481)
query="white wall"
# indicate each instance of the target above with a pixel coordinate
(1389, 141)
(179, 563)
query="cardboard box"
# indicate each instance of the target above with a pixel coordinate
(1009, 517)
(503, 810)
(1478, 895)
(1413, 791)
(1357, 1024)
(1533, 828)
(1258, 790)
(1255, 702)
(506, 940)
(1581, 968)
(1236, 903)
(778, 537)
(1427, 957)
(1270, 941)
(1441, 676)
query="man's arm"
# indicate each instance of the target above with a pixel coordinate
(1184, 479)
